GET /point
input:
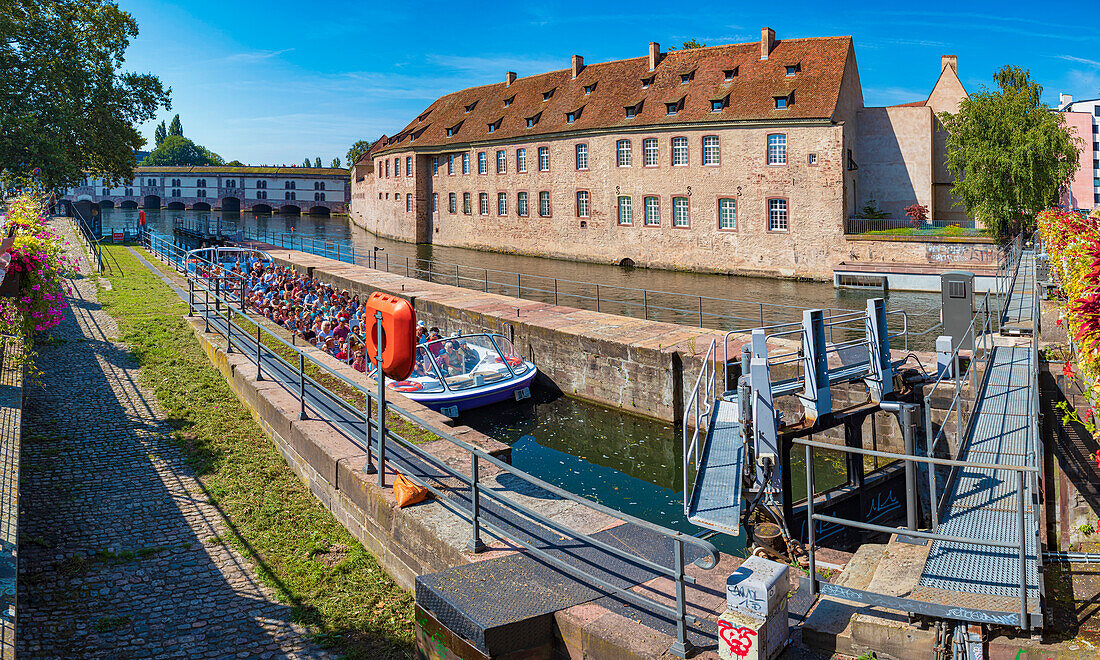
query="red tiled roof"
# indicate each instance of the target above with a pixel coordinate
(816, 88)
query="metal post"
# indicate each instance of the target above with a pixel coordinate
(958, 401)
(190, 297)
(519, 286)
(1023, 548)
(681, 647)
(486, 280)
(929, 440)
(645, 304)
(597, 297)
(458, 279)
(206, 309)
(700, 311)
(369, 468)
(228, 329)
(761, 313)
(429, 270)
(406, 266)
(381, 406)
(475, 545)
(555, 291)
(217, 295)
(810, 535)
(259, 370)
(908, 430)
(301, 385)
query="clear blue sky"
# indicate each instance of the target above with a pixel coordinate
(275, 81)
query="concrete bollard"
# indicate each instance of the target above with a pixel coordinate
(754, 626)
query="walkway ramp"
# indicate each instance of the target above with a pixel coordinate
(1016, 319)
(716, 500)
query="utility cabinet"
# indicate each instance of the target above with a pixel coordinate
(957, 307)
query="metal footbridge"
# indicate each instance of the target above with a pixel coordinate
(970, 429)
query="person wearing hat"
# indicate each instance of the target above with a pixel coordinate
(421, 332)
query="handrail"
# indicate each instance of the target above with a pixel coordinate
(700, 402)
(591, 292)
(213, 294)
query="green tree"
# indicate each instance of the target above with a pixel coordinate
(306, 163)
(356, 151)
(317, 162)
(235, 163)
(160, 133)
(688, 45)
(176, 127)
(336, 162)
(177, 150)
(65, 104)
(1011, 155)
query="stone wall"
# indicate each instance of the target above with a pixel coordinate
(895, 158)
(11, 405)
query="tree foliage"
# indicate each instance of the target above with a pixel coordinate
(688, 45)
(356, 151)
(336, 162)
(176, 127)
(160, 133)
(317, 162)
(1011, 155)
(177, 150)
(65, 105)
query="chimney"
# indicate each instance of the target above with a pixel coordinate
(509, 78)
(578, 65)
(950, 61)
(767, 41)
(1064, 100)
(654, 54)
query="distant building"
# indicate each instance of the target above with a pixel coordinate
(1083, 117)
(742, 158)
(222, 188)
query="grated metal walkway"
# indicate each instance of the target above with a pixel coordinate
(982, 503)
(1016, 317)
(716, 501)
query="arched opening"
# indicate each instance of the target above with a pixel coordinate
(231, 204)
(106, 204)
(318, 210)
(261, 208)
(176, 206)
(626, 263)
(200, 206)
(128, 204)
(87, 213)
(290, 208)
(151, 202)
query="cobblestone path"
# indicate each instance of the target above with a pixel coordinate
(118, 550)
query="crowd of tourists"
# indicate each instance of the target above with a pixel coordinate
(333, 320)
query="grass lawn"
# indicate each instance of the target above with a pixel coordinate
(297, 547)
(929, 231)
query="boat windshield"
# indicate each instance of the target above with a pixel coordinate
(468, 361)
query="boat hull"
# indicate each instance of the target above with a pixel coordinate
(475, 397)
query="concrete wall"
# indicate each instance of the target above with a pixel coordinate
(895, 157)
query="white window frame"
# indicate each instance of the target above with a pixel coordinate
(626, 211)
(581, 150)
(584, 204)
(521, 203)
(778, 215)
(544, 159)
(502, 161)
(727, 213)
(652, 204)
(545, 209)
(651, 147)
(712, 152)
(466, 163)
(680, 153)
(623, 155)
(502, 203)
(483, 203)
(521, 160)
(681, 212)
(777, 149)
(482, 162)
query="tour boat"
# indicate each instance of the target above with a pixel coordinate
(466, 371)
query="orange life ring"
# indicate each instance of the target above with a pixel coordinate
(398, 334)
(512, 360)
(407, 386)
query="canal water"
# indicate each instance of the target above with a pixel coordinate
(628, 463)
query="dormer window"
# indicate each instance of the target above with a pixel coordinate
(632, 111)
(508, 101)
(646, 82)
(716, 105)
(422, 117)
(548, 94)
(674, 107)
(470, 108)
(454, 129)
(495, 125)
(588, 89)
(685, 78)
(793, 69)
(531, 121)
(571, 117)
(730, 74)
(782, 102)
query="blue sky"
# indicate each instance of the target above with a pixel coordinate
(276, 81)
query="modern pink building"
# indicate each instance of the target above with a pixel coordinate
(1083, 119)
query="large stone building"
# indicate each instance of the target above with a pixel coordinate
(743, 158)
(222, 188)
(1083, 118)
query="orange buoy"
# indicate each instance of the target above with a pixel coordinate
(398, 334)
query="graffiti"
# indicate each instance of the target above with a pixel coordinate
(737, 639)
(982, 616)
(959, 253)
(882, 504)
(746, 600)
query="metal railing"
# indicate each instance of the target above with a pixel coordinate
(669, 306)
(89, 241)
(904, 227)
(698, 410)
(222, 316)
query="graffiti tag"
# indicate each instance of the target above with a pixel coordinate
(737, 639)
(743, 598)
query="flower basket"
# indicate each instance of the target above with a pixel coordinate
(9, 287)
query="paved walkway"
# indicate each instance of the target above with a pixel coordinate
(120, 556)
